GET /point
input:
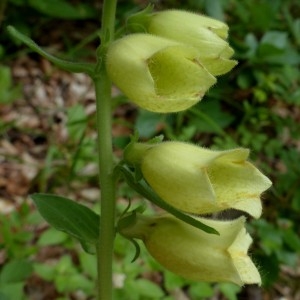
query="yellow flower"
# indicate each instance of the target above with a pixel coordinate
(158, 74)
(195, 254)
(198, 180)
(205, 34)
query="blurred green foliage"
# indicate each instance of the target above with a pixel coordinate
(255, 106)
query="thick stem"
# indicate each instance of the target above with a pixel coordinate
(105, 153)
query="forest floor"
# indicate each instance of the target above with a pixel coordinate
(37, 120)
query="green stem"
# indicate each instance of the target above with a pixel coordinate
(107, 186)
(105, 154)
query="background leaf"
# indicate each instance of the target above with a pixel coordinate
(63, 9)
(15, 271)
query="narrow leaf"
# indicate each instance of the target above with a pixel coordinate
(137, 250)
(87, 247)
(63, 9)
(66, 215)
(143, 188)
(70, 66)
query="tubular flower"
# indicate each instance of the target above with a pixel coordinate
(205, 34)
(156, 73)
(199, 181)
(194, 254)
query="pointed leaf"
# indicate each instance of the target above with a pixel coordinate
(88, 247)
(63, 64)
(137, 250)
(15, 271)
(66, 215)
(143, 188)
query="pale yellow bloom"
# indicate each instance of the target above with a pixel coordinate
(205, 34)
(195, 254)
(198, 180)
(156, 73)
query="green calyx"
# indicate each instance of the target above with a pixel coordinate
(139, 22)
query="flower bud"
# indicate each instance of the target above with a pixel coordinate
(205, 34)
(198, 180)
(158, 74)
(195, 254)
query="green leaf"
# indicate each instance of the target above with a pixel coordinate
(200, 290)
(52, 237)
(292, 239)
(3, 296)
(8, 93)
(125, 222)
(143, 188)
(66, 215)
(262, 15)
(77, 121)
(210, 118)
(277, 39)
(137, 249)
(5, 76)
(229, 290)
(214, 9)
(146, 288)
(75, 282)
(63, 64)
(63, 9)
(15, 271)
(12, 291)
(287, 258)
(47, 272)
(88, 265)
(296, 199)
(173, 281)
(147, 123)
